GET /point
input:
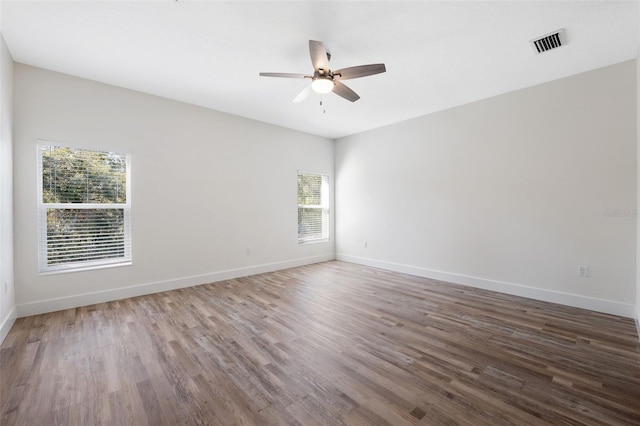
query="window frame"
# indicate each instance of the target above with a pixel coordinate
(324, 206)
(43, 266)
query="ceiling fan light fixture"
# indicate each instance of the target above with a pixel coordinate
(322, 80)
(322, 85)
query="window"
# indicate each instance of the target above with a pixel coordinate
(313, 208)
(84, 208)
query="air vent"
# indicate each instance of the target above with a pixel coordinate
(549, 41)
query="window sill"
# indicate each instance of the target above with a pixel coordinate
(84, 268)
(319, 241)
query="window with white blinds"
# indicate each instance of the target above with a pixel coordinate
(313, 208)
(84, 208)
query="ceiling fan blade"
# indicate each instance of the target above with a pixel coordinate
(283, 74)
(303, 95)
(359, 71)
(342, 90)
(318, 54)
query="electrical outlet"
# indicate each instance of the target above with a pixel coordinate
(583, 271)
(247, 250)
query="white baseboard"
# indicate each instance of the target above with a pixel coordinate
(575, 300)
(58, 304)
(7, 323)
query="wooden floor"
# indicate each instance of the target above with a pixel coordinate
(328, 344)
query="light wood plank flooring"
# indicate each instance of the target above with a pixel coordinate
(325, 344)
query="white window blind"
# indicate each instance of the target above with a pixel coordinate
(84, 208)
(313, 208)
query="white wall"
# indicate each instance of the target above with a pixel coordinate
(7, 299)
(510, 193)
(206, 186)
(637, 311)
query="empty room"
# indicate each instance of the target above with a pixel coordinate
(319, 213)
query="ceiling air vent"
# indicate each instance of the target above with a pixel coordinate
(548, 41)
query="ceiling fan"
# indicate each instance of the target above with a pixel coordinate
(323, 79)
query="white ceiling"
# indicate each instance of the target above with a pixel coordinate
(438, 54)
